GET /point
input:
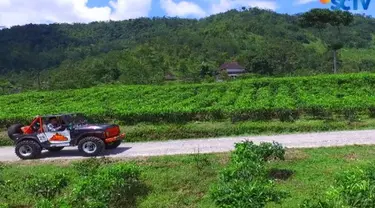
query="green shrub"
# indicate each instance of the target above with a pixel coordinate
(58, 203)
(357, 187)
(89, 166)
(7, 187)
(112, 186)
(318, 203)
(46, 186)
(4, 205)
(244, 182)
(353, 189)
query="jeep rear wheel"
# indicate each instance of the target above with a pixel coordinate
(28, 149)
(113, 145)
(54, 149)
(91, 146)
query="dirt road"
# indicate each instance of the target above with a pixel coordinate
(190, 146)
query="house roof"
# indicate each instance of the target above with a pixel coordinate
(231, 65)
(170, 76)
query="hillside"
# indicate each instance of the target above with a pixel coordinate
(144, 50)
(285, 99)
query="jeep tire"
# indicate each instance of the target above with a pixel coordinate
(113, 145)
(28, 149)
(91, 146)
(54, 149)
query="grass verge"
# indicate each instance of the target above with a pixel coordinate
(160, 132)
(184, 181)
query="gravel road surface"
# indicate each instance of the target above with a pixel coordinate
(214, 145)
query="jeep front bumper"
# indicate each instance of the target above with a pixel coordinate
(116, 138)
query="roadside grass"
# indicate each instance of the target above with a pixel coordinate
(160, 132)
(184, 181)
(315, 169)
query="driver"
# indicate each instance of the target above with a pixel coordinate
(53, 125)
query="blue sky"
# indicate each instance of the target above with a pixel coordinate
(284, 6)
(20, 12)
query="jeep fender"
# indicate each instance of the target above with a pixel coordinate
(99, 134)
(28, 137)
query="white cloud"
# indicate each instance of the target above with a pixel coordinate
(225, 5)
(4, 3)
(182, 9)
(127, 9)
(20, 12)
(304, 1)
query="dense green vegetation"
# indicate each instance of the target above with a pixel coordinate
(286, 99)
(145, 51)
(185, 181)
(90, 183)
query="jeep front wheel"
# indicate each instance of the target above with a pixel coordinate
(28, 150)
(91, 146)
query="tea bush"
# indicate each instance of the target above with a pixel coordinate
(353, 189)
(91, 183)
(117, 185)
(286, 99)
(89, 166)
(46, 185)
(244, 182)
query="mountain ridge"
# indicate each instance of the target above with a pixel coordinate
(145, 50)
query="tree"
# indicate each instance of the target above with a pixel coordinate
(5, 86)
(205, 70)
(324, 18)
(276, 57)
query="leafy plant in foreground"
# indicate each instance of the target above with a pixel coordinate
(112, 186)
(46, 186)
(89, 166)
(244, 182)
(353, 189)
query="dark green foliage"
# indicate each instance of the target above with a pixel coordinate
(309, 203)
(46, 186)
(90, 166)
(323, 18)
(145, 50)
(98, 186)
(117, 185)
(244, 182)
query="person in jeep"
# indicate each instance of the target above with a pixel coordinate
(53, 125)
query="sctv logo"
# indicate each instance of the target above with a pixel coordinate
(344, 4)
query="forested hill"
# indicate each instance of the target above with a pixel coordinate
(145, 51)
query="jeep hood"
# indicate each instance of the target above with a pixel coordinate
(93, 127)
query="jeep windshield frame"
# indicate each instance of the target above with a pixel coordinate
(75, 119)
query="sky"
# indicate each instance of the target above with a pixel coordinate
(21, 12)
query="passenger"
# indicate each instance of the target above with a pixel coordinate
(53, 125)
